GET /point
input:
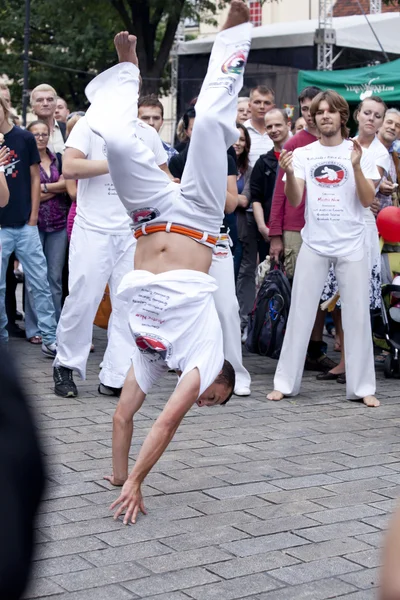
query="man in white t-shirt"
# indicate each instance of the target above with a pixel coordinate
(101, 252)
(172, 313)
(338, 188)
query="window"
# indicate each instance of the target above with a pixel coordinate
(256, 13)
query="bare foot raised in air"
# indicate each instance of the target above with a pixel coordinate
(371, 401)
(275, 395)
(125, 45)
(238, 14)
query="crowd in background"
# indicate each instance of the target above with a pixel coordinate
(36, 223)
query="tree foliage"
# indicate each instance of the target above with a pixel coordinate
(71, 40)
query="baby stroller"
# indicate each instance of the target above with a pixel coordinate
(392, 332)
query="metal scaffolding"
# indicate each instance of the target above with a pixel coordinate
(325, 36)
(179, 37)
(375, 7)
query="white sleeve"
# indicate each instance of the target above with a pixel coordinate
(299, 164)
(158, 148)
(369, 166)
(79, 138)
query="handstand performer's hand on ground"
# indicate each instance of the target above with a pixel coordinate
(130, 501)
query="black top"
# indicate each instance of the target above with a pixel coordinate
(23, 154)
(178, 162)
(262, 181)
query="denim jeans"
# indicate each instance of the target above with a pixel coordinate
(54, 247)
(25, 242)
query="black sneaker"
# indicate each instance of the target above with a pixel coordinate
(107, 390)
(64, 383)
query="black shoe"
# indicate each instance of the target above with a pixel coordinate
(107, 390)
(328, 376)
(15, 331)
(341, 378)
(19, 316)
(64, 383)
(322, 363)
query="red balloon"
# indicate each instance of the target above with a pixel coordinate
(388, 223)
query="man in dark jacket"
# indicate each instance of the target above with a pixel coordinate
(262, 183)
(263, 177)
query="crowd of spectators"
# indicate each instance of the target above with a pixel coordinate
(37, 220)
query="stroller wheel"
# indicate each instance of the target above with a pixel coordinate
(391, 366)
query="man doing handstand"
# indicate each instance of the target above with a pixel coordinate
(169, 294)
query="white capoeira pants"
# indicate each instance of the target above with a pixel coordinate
(353, 279)
(228, 309)
(146, 192)
(95, 259)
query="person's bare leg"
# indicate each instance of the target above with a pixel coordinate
(125, 45)
(337, 319)
(131, 400)
(275, 396)
(238, 14)
(341, 367)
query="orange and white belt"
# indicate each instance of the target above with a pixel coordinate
(195, 234)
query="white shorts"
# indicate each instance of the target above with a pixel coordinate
(174, 322)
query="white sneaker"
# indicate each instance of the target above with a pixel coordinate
(49, 349)
(242, 391)
(244, 335)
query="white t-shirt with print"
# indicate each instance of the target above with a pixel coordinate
(98, 206)
(334, 215)
(174, 322)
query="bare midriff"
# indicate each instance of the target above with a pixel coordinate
(162, 251)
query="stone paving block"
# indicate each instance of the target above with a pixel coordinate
(171, 596)
(143, 531)
(380, 522)
(170, 582)
(367, 558)
(62, 491)
(317, 590)
(230, 505)
(296, 522)
(312, 571)
(336, 531)
(267, 543)
(218, 535)
(361, 485)
(363, 473)
(364, 595)
(130, 552)
(373, 539)
(209, 522)
(348, 513)
(183, 560)
(259, 563)
(274, 511)
(364, 579)
(342, 500)
(234, 588)
(293, 483)
(50, 519)
(42, 588)
(57, 566)
(328, 549)
(236, 491)
(297, 495)
(108, 592)
(65, 547)
(99, 576)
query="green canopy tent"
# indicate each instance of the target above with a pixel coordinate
(356, 84)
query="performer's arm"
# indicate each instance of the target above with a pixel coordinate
(162, 432)
(77, 166)
(365, 187)
(294, 187)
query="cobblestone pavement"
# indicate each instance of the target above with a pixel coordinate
(254, 500)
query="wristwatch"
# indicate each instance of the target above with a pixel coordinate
(45, 188)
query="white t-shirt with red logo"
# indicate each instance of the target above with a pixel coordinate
(334, 215)
(98, 206)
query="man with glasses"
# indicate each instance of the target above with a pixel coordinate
(44, 104)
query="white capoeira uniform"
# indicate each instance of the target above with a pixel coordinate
(196, 206)
(227, 307)
(334, 232)
(101, 251)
